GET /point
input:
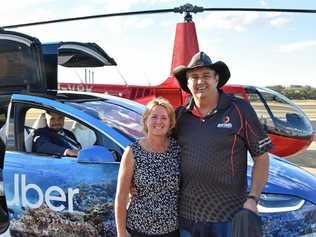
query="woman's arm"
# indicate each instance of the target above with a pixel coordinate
(122, 191)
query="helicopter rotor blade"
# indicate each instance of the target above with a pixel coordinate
(262, 10)
(187, 9)
(88, 17)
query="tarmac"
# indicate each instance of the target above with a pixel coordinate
(307, 159)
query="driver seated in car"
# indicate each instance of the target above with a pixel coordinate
(54, 139)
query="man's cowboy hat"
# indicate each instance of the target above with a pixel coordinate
(201, 59)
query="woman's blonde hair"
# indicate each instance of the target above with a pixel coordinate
(165, 104)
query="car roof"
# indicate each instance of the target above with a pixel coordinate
(77, 96)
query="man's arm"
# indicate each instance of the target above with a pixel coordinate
(259, 178)
(42, 143)
(258, 144)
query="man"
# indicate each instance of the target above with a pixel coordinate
(215, 130)
(54, 139)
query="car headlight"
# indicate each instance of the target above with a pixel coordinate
(272, 203)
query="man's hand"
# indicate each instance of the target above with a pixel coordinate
(69, 152)
(251, 205)
(259, 178)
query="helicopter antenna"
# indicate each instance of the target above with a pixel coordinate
(122, 76)
(186, 8)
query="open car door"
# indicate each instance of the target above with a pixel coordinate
(72, 54)
(21, 64)
(21, 70)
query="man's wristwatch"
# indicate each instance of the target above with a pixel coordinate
(250, 196)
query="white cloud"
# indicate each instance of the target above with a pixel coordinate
(42, 10)
(273, 14)
(237, 21)
(125, 5)
(279, 22)
(297, 46)
(263, 3)
(139, 22)
(14, 12)
(241, 21)
(16, 4)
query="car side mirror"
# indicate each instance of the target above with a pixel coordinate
(95, 154)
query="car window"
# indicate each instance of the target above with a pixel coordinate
(118, 117)
(35, 118)
(85, 136)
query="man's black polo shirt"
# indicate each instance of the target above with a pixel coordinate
(214, 158)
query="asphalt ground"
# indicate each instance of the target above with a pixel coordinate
(307, 159)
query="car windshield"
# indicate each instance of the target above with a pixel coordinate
(125, 120)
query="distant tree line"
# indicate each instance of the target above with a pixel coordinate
(296, 92)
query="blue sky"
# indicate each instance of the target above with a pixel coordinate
(260, 48)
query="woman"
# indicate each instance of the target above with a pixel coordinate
(152, 165)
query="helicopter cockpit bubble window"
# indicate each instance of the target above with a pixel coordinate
(262, 112)
(279, 115)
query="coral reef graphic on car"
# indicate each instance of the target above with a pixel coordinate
(65, 205)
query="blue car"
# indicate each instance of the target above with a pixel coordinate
(50, 195)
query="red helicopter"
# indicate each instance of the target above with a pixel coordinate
(289, 128)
